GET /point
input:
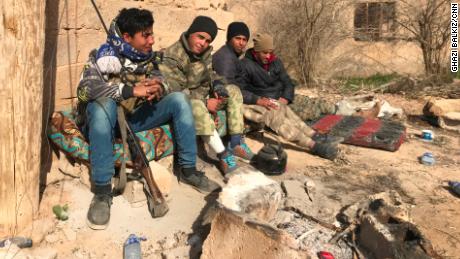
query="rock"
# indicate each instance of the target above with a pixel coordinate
(251, 192)
(384, 205)
(382, 225)
(395, 240)
(445, 113)
(134, 193)
(134, 190)
(294, 189)
(162, 176)
(234, 234)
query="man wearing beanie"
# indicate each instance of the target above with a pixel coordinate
(225, 60)
(267, 90)
(187, 68)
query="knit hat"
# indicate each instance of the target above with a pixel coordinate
(237, 28)
(263, 41)
(203, 24)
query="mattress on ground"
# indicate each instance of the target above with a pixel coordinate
(359, 131)
(157, 143)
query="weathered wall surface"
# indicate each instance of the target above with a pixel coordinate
(73, 30)
(360, 58)
(348, 57)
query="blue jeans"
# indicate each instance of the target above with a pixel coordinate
(102, 122)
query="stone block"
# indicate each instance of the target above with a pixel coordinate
(233, 235)
(250, 192)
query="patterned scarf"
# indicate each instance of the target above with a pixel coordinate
(116, 46)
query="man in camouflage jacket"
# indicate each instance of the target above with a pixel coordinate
(187, 66)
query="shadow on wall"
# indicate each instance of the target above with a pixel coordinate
(53, 18)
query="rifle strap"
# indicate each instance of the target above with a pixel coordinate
(122, 123)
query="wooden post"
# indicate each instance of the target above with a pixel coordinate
(22, 39)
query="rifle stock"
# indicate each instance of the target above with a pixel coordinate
(156, 201)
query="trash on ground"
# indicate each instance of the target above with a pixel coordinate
(61, 212)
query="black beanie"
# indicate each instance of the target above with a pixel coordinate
(203, 24)
(237, 28)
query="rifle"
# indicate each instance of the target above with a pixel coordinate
(155, 200)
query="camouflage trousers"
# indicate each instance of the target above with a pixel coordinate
(283, 121)
(204, 124)
(311, 108)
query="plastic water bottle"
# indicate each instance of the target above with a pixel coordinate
(455, 187)
(427, 158)
(132, 247)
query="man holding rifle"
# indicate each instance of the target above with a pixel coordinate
(123, 72)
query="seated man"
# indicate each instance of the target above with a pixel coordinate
(115, 75)
(267, 90)
(224, 61)
(187, 68)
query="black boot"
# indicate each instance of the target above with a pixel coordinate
(325, 150)
(197, 180)
(98, 216)
(323, 138)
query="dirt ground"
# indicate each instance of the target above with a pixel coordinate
(358, 173)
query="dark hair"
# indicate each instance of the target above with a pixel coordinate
(134, 20)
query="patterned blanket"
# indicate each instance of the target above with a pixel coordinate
(157, 143)
(359, 131)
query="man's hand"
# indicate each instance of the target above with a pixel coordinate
(213, 104)
(267, 103)
(283, 100)
(149, 88)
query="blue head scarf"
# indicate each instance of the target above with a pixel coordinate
(116, 46)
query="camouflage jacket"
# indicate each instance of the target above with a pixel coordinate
(187, 72)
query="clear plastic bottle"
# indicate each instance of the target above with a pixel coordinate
(428, 158)
(132, 247)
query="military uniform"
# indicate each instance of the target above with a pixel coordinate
(193, 75)
(309, 109)
(283, 121)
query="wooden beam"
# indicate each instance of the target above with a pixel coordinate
(22, 40)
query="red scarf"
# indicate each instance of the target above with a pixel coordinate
(271, 58)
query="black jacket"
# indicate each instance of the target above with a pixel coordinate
(224, 62)
(255, 82)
